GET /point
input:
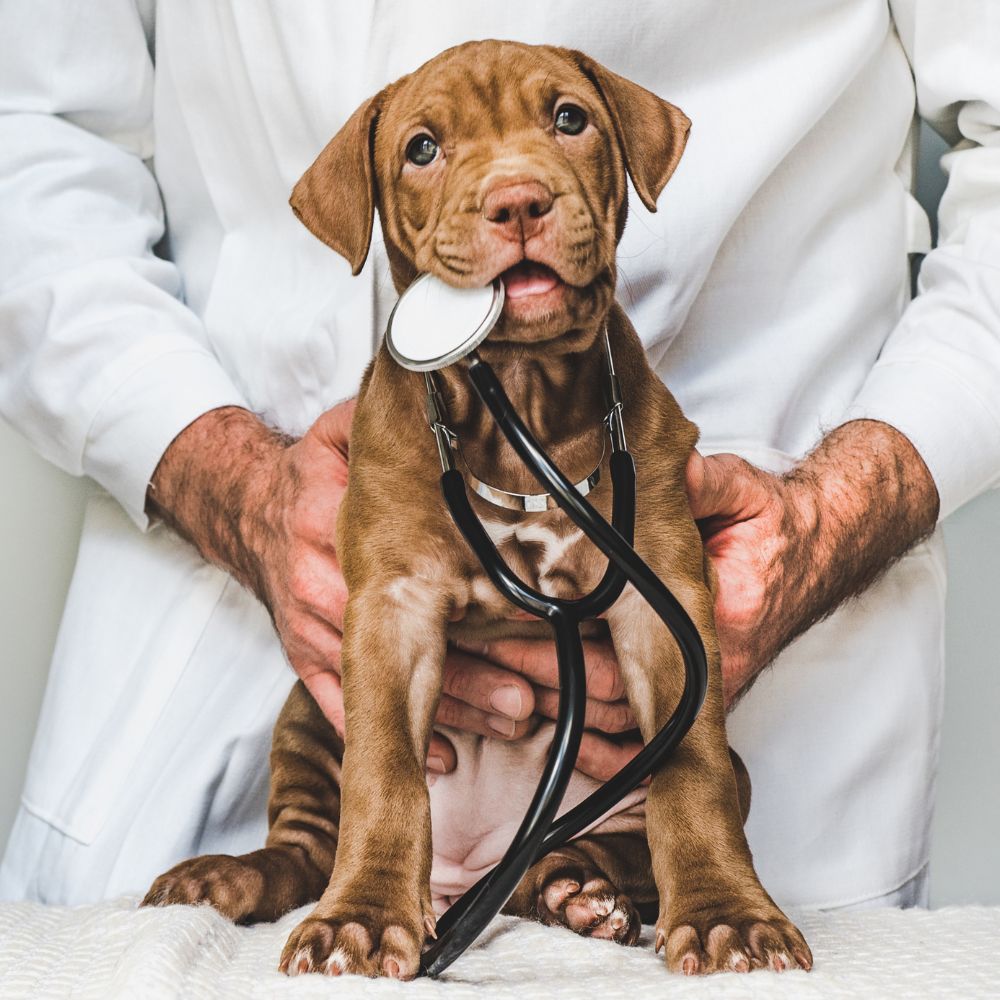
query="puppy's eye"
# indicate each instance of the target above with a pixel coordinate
(570, 119)
(421, 150)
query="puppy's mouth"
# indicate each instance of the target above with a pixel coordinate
(534, 293)
(528, 279)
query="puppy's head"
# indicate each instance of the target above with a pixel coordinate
(497, 158)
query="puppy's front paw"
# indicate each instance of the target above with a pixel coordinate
(232, 886)
(586, 902)
(356, 938)
(733, 937)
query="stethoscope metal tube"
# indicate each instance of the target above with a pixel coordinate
(539, 833)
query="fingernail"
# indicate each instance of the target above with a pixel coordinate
(506, 701)
(505, 727)
(471, 646)
(436, 764)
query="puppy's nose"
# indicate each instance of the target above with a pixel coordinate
(518, 209)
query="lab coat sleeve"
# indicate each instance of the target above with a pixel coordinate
(101, 363)
(938, 377)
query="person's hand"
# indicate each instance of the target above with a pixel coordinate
(265, 508)
(289, 534)
(530, 666)
(787, 550)
(755, 530)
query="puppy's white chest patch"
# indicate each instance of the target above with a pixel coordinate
(543, 553)
(554, 546)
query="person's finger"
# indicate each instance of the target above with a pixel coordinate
(317, 589)
(324, 686)
(483, 685)
(459, 715)
(724, 488)
(536, 660)
(601, 758)
(334, 426)
(694, 482)
(718, 486)
(312, 517)
(604, 675)
(708, 485)
(311, 640)
(441, 756)
(604, 716)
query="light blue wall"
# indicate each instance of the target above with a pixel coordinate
(41, 511)
(965, 861)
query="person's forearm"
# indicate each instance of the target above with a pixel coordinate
(862, 498)
(788, 550)
(209, 485)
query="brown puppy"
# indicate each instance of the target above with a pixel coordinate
(498, 158)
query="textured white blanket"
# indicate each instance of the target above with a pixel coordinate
(113, 951)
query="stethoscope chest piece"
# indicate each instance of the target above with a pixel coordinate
(433, 324)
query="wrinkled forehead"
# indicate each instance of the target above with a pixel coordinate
(486, 89)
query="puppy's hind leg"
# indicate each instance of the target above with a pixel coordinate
(304, 814)
(592, 886)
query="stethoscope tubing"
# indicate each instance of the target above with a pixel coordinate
(539, 832)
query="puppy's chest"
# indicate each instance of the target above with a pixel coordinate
(547, 551)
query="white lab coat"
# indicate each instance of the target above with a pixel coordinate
(771, 291)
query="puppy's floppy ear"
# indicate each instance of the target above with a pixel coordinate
(335, 197)
(651, 132)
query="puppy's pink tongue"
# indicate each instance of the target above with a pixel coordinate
(528, 278)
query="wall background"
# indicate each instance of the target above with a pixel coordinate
(41, 511)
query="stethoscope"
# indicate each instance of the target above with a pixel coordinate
(429, 329)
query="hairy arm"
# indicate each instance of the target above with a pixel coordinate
(788, 550)
(215, 486)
